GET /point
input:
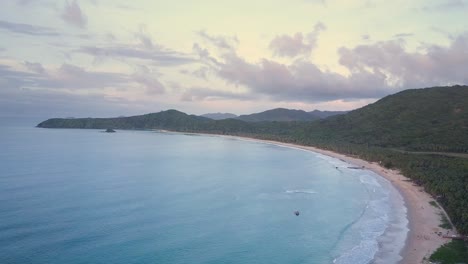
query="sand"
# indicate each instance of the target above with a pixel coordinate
(424, 219)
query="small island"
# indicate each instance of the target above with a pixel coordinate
(109, 130)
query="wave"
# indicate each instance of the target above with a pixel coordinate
(306, 191)
(371, 224)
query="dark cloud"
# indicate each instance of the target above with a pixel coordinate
(27, 29)
(73, 15)
(298, 44)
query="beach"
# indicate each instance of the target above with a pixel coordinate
(424, 219)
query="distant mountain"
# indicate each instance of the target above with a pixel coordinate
(286, 115)
(325, 114)
(278, 114)
(219, 116)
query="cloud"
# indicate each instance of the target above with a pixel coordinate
(73, 15)
(436, 65)
(323, 2)
(446, 5)
(146, 78)
(161, 57)
(298, 44)
(67, 76)
(27, 29)
(375, 70)
(300, 81)
(35, 67)
(69, 89)
(15, 79)
(74, 78)
(403, 35)
(24, 2)
(221, 42)
(145, 50)
(55, 103)
(208, 94)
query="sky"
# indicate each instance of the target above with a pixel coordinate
(80, 58)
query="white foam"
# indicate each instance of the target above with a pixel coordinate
(306, 191)
(384, 220)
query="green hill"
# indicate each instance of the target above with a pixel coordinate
(431, 119)
(219, 116)
(170, 120)
(279, 114)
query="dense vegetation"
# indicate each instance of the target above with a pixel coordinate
(454, 252)
(282, 114)
(395, 131)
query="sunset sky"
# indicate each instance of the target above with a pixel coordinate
(115, 57)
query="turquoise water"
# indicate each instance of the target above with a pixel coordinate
(81, 196)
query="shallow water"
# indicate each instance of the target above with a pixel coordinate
(81, 196)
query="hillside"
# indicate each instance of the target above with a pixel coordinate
(170, 119)
(325, 114)
(279, 114)
(431, 119)
(219, 116)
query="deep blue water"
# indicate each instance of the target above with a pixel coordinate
(82, 196)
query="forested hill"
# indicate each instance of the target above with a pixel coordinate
(170, 119)
(431, 119)
(283, 114)
(279, 114)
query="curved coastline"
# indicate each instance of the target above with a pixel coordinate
(423, 218)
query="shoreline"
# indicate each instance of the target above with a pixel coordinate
(423, 218)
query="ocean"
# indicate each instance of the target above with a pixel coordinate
(83, 196)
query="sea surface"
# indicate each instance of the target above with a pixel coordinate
(83, 196)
